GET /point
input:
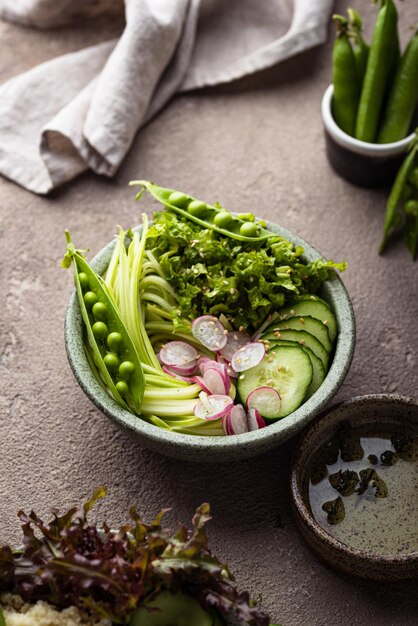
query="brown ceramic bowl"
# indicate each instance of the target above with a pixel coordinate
(370, 412)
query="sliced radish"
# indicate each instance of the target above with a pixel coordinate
(234, 341)
(201, 381)
(254, 420)
(172, 372)
(248, 356)
(216, 382)
(235, 422)
(265, 399)
(213, 407)
(210, 332)
(201, 362)
(230, 370)
(223, 371)
(178, 354)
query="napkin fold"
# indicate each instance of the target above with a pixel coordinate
(82, 110)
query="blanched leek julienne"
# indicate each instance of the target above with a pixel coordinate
(116, 309)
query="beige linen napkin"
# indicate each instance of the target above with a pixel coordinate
(83, 109)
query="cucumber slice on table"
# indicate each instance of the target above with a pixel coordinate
(288, 370)
(310, 324)
(314, 307)
(302, 337)
(318, 370)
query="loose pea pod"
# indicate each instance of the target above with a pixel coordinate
(109, 346)
(411, 226)
(403, 96)
(361, 49)
(207, 215)
(392, 217)
(384, 52)
(345, 79)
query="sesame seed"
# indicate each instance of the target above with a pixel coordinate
(232, 291)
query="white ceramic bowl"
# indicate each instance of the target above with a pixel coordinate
(233, 447)
(359, 162)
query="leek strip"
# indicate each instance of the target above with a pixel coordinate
(155, 264)
(160, 312)
(160, 282)
(169, 409)
(148, 295)
(191, 391)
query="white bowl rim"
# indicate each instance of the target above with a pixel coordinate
(251, 443)
(375, 150)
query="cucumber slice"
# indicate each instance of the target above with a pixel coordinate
(308, 323)
(302, 337)
(314, 307)
(319, 371)
(287, 369)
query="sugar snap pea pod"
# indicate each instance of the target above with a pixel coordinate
(382, 57)
(403, 96)
(411, 226)
(345, 79)
(360, 47)
(207, 215)
(392, 217)
(109, 344)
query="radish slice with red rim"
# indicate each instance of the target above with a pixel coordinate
(178, 354)
(235, 422)
(234, 341)
(248, 356)
(254, 420)
(210, 332)
(201, 381)
(172, 372)
(265, 400)
(230, 370)
(221, 368)
(216, 382)
(213, 407)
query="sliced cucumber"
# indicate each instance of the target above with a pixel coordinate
(302, 337)
(314, 307)
(319, 371)
(287, 369)
(310, 324)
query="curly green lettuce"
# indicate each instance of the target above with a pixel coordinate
(215, 274)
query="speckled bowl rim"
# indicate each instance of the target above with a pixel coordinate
(240, 446)
(375, 150)
(298, 501)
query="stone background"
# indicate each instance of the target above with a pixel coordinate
(254, 145)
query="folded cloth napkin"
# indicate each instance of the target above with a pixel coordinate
(82, 110)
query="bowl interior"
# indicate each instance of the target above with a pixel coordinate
(218, 449)
(375, 414)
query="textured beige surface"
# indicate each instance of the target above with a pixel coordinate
(255, 145)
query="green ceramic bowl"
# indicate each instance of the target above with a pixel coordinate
(233, 447)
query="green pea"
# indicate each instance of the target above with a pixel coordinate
(84, 280)
(177, 198)
(99, 311)
(122, 387)
(411, 208)
(90, 299)
(100, 330)
(126, 369)
(114, 341)
(111, 361)
(248, 229)
(223, 219)
(247, 217)
(197, 208)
